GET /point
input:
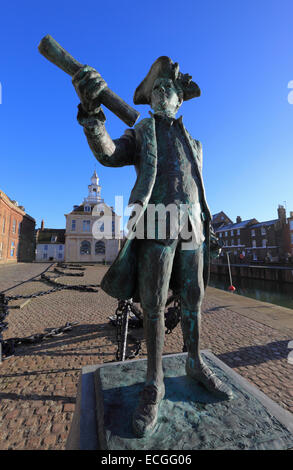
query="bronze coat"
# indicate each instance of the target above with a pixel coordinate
(120, 281)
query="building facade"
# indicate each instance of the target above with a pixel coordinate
(220, 219)
(254, 241)
(50, 244)
(17, 232)
(92, 229)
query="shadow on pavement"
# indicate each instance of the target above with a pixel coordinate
(253, 355)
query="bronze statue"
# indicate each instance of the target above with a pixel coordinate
(169, 163)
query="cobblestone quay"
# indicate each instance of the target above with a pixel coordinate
(38, 383)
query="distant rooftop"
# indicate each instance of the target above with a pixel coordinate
(268, 222)
(241, 224)
(45, 235)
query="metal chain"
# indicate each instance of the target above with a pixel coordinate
(122, 320)
(62, 273)
(32, 296)
(58, 287)
(3, 325)
(80, 287)
(71, 266)
(173, 316)
(9, 345)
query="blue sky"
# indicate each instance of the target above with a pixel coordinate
(239, 53)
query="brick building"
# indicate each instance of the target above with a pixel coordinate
(17, 232)
(220, 219)
(289, 238)
(234, 237)
(251, 240)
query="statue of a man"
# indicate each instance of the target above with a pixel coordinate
(168, 162)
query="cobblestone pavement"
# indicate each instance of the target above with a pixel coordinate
(38, 384)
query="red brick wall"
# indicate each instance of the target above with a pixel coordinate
(12, 220)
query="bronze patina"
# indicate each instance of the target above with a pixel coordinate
(169, 171)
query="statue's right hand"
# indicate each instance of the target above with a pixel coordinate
(88, 84)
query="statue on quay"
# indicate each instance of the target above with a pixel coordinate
(168, 162)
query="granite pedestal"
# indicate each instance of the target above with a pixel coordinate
(190, 418)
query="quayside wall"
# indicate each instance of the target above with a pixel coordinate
(268, 273)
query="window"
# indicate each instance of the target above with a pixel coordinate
(253, 243)
(238, 231)
(87, 208)
(85, 248)
(14, 226)
(264, 243)
(60, 247)
(19, 228)
(220, 235)
(60, 255)
(45, 247)
(86, 225)
(99, 247)
(73, 225)
(263, 230)
(232, 242)
(45, 255)
(226, 234)
(253, 232)
(12, 250)
(238, 241)
(53, 238)
(232, 233)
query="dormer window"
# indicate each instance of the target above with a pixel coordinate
(53, 238)
(87, 208)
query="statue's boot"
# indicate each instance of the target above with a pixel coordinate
(145, 416)
(195, 366)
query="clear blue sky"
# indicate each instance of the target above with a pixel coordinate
(240, 54)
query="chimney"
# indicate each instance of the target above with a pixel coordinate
(42, 225)
(282, 213)
(238, 219)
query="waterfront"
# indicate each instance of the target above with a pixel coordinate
(266, 291)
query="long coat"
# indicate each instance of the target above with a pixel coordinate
(120, 281)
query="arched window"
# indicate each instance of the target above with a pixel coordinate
(85, 248)
(99, 247)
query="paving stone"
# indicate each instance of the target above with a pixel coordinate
(38, 384)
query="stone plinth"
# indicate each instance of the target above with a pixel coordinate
(190, 418)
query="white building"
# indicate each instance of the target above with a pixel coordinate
(50, 244)
(92, 229)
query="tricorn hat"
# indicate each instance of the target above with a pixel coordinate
(163, 67)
